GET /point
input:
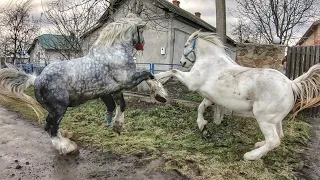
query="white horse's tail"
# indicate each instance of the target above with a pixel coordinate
(307, 89)
(13, 83)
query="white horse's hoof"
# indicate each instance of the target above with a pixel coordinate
(259, 144)
(251, 156)
(202, 124)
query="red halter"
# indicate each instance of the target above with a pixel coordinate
(139, 45)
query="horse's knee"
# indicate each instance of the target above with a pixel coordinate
(273, 143)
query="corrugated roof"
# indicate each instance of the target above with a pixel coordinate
(52, 42)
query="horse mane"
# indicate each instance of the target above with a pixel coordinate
(208, 36)
(118, 30)
(213, 38)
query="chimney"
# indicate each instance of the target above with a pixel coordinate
(176, 3)
(198, 14)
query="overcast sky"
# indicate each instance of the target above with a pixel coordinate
(205, 7)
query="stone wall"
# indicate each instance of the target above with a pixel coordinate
(261, 55)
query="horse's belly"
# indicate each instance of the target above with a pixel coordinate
(238, 105)
(229, 101)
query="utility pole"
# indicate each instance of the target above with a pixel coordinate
(221, 20)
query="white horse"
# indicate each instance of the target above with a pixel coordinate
(265, 94)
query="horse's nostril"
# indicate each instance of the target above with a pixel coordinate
(184, 63)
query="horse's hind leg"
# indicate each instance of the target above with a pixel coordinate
(279, 129)
(279, 132)
(56, 102)
(272, 141)
(269, 126)
(62, 144)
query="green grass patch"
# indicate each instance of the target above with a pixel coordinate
(192, 96)
(170, 131)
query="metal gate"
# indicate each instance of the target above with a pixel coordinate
(299, 60)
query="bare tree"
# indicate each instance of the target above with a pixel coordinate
(18, 28)
(71, 19)
(277, 17)
(244, 32)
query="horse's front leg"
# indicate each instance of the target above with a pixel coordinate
(189, 79)
(119, 117)
(111, 106)
(155, 86)
(202, 107)
(138, 77)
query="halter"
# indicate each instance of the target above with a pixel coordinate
(139, 45)
(191, 51)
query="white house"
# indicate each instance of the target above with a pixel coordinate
(48, 48)
(168, 28)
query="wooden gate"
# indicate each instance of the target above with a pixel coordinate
(299, 60)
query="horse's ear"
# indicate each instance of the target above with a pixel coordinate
(142, 26)
(195, 37)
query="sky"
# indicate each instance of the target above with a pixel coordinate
(205, 7)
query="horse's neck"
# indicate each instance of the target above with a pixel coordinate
(212, 58)
(212, 64)
(118, 50)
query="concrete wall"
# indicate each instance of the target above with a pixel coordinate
(261, 55)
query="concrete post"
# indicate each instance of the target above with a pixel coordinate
(221, 20)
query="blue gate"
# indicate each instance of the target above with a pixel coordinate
(152, 67)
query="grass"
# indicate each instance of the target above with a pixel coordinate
(192, 96)
(170, 132)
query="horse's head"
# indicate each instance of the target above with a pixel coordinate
(200, 44)
(126, 29)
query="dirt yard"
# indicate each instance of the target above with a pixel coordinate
(26, 153)
(311, 169)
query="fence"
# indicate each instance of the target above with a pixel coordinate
(299, 60)
(152, 67)
(157, 67)
(30, 68)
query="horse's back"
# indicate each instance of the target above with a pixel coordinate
(237, 88)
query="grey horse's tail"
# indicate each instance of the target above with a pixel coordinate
(307, 89)
(13, 83)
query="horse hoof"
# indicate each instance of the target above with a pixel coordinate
(118, 127)
(251, 156)
(69, 148)
(160, 98)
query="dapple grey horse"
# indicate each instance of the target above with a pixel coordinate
(103, 73)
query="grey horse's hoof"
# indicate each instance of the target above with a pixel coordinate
(160, 94)
(118, 127)
(109, 120)
(160, 99)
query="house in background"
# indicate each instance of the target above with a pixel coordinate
(312, 36)
(168, 28)
(49, 48)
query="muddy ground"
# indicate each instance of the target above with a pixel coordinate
(26, 153)
(311, 157)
